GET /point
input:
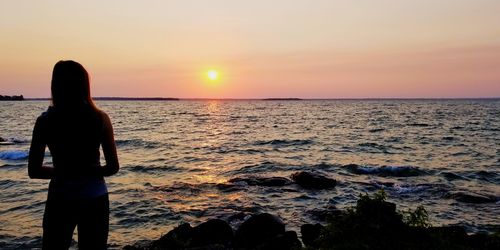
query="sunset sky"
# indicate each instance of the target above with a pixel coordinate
(259, 48)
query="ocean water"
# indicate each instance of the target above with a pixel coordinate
(178, 156)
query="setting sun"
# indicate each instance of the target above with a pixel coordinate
(212, 75)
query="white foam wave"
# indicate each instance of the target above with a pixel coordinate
(13, 155)
(404, 189)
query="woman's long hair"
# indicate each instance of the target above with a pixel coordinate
(70, 86)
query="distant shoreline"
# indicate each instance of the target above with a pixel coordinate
(272, 99)
(11, 98)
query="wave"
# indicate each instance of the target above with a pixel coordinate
(264, 167)
(262, 181)
(11, 141)
(453, 176)
(405, 188)
(375, 130)
(153, 169)
(13, 155)
(491, 176)
(396, 171)
(418, 124)
(284, 143)
(371, 147)
(137, 143)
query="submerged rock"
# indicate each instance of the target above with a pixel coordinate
(313, 180)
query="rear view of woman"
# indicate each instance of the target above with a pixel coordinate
(74, 129)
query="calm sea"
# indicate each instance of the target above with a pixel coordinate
(177, 156)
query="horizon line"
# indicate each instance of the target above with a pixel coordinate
(111, 98)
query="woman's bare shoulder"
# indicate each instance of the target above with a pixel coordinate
(104, 116)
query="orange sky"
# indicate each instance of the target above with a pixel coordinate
(302, 48)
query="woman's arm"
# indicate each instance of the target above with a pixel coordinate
(109, 149)
(37, 151)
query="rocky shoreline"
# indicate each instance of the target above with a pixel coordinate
(373, 223)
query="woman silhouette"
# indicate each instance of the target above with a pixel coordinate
(73, 128)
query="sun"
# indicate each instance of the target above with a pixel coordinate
(213, 75)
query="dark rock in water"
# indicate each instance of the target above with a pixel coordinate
(212, 232)
(313, 180)
(262, 181)
(2, 139)
(258, 230)
(310, 233)
(472, 197)
(177, 238)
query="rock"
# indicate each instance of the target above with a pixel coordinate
(454, 234)
(474, 198)
(285, 241)
(2, 139)
(177, 238)
(214, 231)
(263, 181)
(313, 180)
(322, 214)
(310, 233)
(139, 245)
(258, 230)
(484, 241)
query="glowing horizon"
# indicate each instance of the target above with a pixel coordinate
(329, 49)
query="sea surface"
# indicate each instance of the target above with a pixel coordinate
(178, 156)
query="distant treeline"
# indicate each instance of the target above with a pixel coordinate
(11, 98)
(122, 99)
(135, 99)
(282, 99)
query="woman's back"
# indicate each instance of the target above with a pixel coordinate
(73, 139)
